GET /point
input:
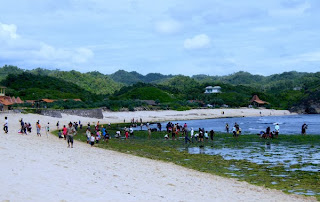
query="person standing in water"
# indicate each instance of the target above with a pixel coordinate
(211, 134)
(227, 127)
(304, 129)
(277, 129)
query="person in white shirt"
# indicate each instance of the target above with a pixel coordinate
(277, 129)
(166, 137)
(5, 125)
(131, 132)
(192, 134)
(206, 135)
(88, 133)
(47, 129)
(92, 139)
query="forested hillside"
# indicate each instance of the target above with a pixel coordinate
(130, 78)
(29, 86)
(94, 82)
(289, 90)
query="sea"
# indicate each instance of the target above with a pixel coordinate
(290, 124)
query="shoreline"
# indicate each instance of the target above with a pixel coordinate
(41, 168)
(193, 114)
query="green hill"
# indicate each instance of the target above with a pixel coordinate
(130, 78)
(29, 86)
(144, 92)
(94, 82)
(9, 69)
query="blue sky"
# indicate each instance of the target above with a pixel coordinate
(212, 37)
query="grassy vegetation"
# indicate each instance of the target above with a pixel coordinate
(277, 177)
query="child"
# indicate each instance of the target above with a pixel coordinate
(92, 139)
(206, 135)
(64, 131)
(196, 136)
(107, 136)
(118, 134)
(127, 135)
(60, 134)
(98, 137)
(166, 137)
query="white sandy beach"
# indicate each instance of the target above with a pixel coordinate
(119, 117)
(43, 169)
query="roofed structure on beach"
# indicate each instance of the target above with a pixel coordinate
(150, 102)
(52, 100)
(257, 102)
(48, 100)
(6, 101)
(200, 102)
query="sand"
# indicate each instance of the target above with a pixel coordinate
(43, 169)
(119, 117)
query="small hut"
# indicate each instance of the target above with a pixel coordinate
(255, 101)
(7, 101)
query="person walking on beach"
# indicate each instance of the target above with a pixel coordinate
(22, 126)
(71, 131)
(304, 129)
(58, 125)
(227, 127)
(38, 127)
(64, 131)
(47, 130)
(5, 125)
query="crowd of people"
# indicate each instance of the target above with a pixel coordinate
(100, 132)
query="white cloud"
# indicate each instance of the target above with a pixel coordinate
(79, 55)
(168, 26)
(82, 55)
(8, 31)
(197, 42)
(16, 47)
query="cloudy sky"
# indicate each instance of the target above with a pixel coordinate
(214, 37)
